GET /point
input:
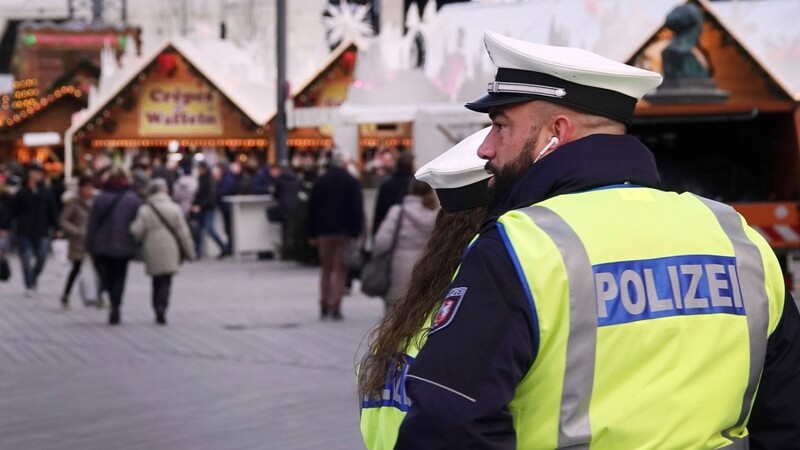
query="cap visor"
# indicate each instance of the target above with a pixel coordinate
(483, 104)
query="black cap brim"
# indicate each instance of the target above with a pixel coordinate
(540, 86)
(465, 197)
(483, 104)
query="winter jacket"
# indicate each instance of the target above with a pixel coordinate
(415, 229)
(391, 192)
(165, 174)
(287, 188)
(183, 192)
(34, 212)
(205, 197)
(160, 248)
(335, 207)
(228, 185)
(6, 207)
(261, 183)
(73, 221)
(111, 237)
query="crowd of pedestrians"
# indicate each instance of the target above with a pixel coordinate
(154, 212)
(163, 214)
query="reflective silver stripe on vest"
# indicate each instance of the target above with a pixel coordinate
(574, 429)
(738, 444)
(750, 269)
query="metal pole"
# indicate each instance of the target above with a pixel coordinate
(97, 11)
(184, 19)
(280, 117)
(125, 12)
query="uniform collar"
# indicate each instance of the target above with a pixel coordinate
(588, 163)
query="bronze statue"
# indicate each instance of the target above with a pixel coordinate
(687, 78)
(682, 58)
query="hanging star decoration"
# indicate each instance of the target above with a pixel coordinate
(347, 22)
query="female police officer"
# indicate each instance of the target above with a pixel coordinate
(460, 181)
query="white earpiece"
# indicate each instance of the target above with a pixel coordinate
(553, 142)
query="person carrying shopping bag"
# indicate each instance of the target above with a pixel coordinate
(73, 221)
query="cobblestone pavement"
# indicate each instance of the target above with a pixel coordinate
(245, 363)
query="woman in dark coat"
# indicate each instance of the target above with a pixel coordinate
(109, 241)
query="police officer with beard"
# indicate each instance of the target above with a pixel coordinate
(595, 310)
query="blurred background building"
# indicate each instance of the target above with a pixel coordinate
(91, 80)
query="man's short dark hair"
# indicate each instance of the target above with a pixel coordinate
(405, 163)
(85, 181)
(35, 166)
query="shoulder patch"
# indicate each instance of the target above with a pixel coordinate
(448, 309)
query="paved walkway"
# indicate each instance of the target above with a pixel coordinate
(245, 363)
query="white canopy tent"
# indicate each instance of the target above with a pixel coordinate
(457, 67)
(768, 31)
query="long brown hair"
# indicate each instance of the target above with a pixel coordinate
(430, 278)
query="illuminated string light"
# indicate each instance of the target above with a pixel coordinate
(248, 143)
(32, 106)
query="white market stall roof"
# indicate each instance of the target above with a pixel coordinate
(221, 62)
(444, 112)
(615, 29)
(215, 62)
(456, 64)
(329, 60)
(769, 32)
(407, 87)
(225, 65)
(230, 70)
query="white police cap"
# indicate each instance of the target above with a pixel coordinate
(570, 76)
(459, 175)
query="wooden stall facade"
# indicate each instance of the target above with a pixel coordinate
(742, 150)
(169, 100)
(51, 113)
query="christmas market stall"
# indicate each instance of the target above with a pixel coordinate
(34, 132)
(178, 100)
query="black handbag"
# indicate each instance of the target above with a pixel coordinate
(376, 275)
(5, 269)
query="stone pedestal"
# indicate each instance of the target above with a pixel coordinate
(687, 90)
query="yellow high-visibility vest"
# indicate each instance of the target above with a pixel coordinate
(653, 313)
(381, 419)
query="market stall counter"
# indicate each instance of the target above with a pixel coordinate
(252, 232)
